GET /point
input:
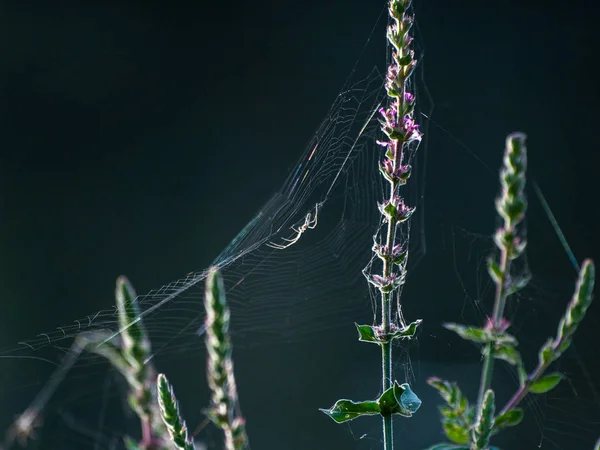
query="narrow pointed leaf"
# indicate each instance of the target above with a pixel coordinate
(442, 386)
(485, 422)
(366, 333)
(518, 284)
(546, 383)
(507, 353)
(510, 418)
(346, 410)
(494, 270)
(456, 432)
(406, 333)
(469, 333)
(135, 342)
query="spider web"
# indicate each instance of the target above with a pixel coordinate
(292, 274)
(297, 304)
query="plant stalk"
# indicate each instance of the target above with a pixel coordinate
(499, 304)
(554, 348)
(386, 347)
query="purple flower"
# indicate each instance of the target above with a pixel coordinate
(402, 172)
(387, 167)
(385, 284)
(397, 250)
(389, 117)
(410, 129)
(403, 212)
(501, 328)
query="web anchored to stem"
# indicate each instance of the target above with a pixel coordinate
(403, 135)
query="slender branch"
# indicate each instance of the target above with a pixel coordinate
(553, 348)
(499, 304)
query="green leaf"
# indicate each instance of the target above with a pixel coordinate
(505, 338)
(406, 333)
(442, 386)
(546, 383)
(484, 424)
(451, 393)
(546, 353)
(522, 374)
(517, 284)
(399, 399)
(366, 333)
(409, 400)
(450, 413)
(494, 270)
(130, 444)
(135, 342)
(346, 410)
(400, 257)
(456, 431)
(510, 418)
(445, 446)
(397, 8)
(389, 210)
(470, 333)
(507, 353)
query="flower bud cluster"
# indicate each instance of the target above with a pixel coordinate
(512, 204)
(224, 410)
(401, 130)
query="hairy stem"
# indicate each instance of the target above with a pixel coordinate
(499, 304)
(511, 206)
(386, 347)
(398, 124)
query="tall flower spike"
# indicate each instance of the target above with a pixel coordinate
(511, 205)
(224, 409)
(135, 350)
(398, 125)
(169, 409)
(403, 134)
(485, 423)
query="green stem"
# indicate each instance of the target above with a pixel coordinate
(386, 319)
(499, 304)
(524, 389)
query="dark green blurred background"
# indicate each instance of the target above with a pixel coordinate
(128, 128)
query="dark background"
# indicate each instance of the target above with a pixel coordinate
(127, 128)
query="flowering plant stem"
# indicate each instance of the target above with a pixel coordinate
(403, 135)
(511, 206)
(398, 125)
(499, 304)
